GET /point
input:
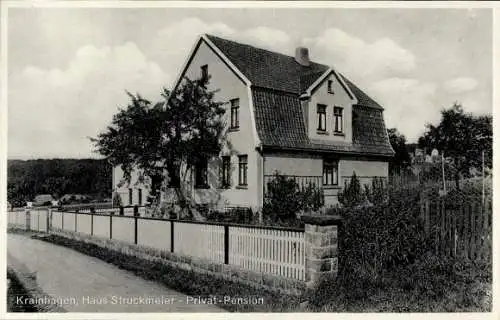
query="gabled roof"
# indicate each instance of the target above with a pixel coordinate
(277, 83)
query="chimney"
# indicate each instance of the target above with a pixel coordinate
(302, 56)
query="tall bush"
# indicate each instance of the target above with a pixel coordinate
(352, 194)
(285, 199)
(379, 238)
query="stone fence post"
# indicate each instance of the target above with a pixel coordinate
(321, 243)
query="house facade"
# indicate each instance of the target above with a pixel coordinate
(284, 114)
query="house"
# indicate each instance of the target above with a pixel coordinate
(70, 197)
(134, 193)
(285, 114)
(43, 199)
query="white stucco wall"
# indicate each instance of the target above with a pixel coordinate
(339, 98)
(122, 187)
(296, 165)
(312, 165)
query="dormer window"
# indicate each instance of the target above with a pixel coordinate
(204, 72)
(338, 119)
(330, 86)
(321, 110)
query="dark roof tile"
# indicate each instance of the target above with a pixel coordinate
(280, 124)
(278, 80)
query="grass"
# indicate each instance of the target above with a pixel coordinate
(430, 285)
(188, 282)
(15, 289)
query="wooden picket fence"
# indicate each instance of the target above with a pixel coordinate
(275, 250)
(462, 230)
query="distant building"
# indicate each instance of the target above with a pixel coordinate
(72, 197)
(42, 199)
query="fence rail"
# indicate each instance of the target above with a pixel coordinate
(273, 250)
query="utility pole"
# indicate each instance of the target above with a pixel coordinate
(444, 177)
(483, 191)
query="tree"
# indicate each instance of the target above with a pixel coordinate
(462, 137)
(27, 178)
(169, 137)
(401, 160)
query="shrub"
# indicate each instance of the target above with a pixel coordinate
(285, 199)
(242, 215)
(378, 193)
(379, 238)
(352, 194)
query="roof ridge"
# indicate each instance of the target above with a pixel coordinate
(263, 49)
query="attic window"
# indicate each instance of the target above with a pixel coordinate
(330, 86)
(204, 71)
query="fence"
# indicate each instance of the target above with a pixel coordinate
(459, 230)
(279, 251)
(90, 208)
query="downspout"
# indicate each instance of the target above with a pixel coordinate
(260, 150)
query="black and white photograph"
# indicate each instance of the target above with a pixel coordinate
(209, 157)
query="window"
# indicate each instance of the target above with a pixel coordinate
(330, 86)
(337, 118)
(201, 174)
(242, 170)
(226, 172)
(204, 72)
(174, 180)
(321, 109)
(139, 194)
(130, 196)
(235, 113)
(330, 173)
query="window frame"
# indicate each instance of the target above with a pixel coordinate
(330, 170)
(243, 170)
(204, 71)
(330, 86)
(175, 180)
(201, 169)
(338, 118)
(235, 114)
(225, 172)
(321, 116)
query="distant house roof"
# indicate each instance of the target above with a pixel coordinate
(43, 198)
(277, 83)
(74, 195)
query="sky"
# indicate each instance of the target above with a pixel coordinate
(68, 68)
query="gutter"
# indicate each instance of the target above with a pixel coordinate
(310, 150)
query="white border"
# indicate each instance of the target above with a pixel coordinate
(211, 4)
